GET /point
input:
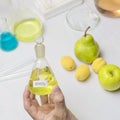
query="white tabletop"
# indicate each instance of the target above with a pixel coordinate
(87, 100)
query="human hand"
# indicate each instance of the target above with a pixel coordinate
(51, 108)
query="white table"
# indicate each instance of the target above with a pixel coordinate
(87, 100)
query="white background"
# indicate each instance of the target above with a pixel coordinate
(87, 100)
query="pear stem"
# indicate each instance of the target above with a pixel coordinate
(86, 31)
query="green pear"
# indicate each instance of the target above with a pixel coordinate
(86, 48)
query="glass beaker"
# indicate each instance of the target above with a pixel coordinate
(109, 8)
(82, 16)
(26, 24)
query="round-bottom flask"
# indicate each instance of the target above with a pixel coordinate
(8, 41)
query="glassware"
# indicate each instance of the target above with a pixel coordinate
(17, 69)
(8, 41)
(50, 8)
(109, 8)
(25, 23)
(42, 79)
(82, 16)
(28, 29)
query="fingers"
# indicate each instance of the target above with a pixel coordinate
(26, 97)
(57, 98)
(32, 96)
(30, 103)
(29, 98)
(44, 99)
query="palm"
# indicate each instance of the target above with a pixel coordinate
(41, 112)
(46, 111)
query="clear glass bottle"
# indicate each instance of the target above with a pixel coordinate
(109, 8)
(42, 79)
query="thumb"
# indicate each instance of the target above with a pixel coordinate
(58, 98)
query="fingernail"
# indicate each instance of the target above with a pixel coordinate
(56, 90)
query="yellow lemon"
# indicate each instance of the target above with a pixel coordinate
(82, 72)
(68, 63)
(97, 64)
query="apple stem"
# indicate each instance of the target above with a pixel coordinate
(111, 73)
(86, 31)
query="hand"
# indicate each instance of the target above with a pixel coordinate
(52, 108)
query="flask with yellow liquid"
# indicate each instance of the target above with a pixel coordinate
(42, 79)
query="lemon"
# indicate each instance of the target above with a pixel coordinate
(97, 64)
(68, 63)
(82, 72)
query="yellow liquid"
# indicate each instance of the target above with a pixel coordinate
(110, 8)
(28, 30)
(42, 81)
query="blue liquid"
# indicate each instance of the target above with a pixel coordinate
(8, 41)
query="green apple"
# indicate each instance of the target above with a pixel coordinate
(86, 48)
(109, 77)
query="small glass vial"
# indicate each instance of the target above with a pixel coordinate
(42, 79)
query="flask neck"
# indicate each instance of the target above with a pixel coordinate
(40, 50)
(3, 25)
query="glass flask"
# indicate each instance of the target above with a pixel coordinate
(42, 79)
(82, 16)
(109, 8)
(8, 41)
